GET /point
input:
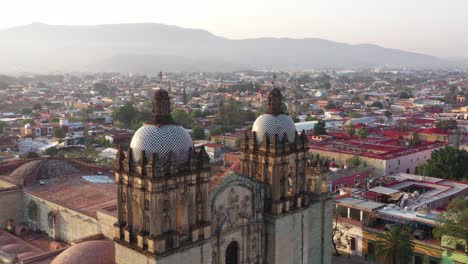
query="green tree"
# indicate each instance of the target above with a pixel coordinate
(330, 105)
(362, 132)
(377, 104)
(26, 111)
(90, 150)
(182, 118)
(405, 95)
(125, 116)
(353, 114)
(354, 161)
(356, 99)
(198, 132)
(350, 130)
(2, 125)
(52, 151)
(395, 246)
(447, 124)
(453, 223)
(388, 114)
(58, 133)
(231, 114)
(319, 128)
(55, 120)
(196, 113)
(27, 121)
(141, 118)
(37, 107)
(447, 163)
(311, 118)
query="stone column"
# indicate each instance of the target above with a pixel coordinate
(192, 209)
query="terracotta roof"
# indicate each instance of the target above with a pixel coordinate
(434, 130)
(12, 246)
(73, 192)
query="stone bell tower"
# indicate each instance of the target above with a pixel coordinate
(277, 155)
(162, 189)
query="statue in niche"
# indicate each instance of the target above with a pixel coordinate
(233, 208)
(246, 207)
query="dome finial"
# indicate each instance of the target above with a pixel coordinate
(161, 106)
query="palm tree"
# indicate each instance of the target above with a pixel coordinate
(395, 246)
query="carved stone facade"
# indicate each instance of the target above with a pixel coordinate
(272, 212)
(237, 219)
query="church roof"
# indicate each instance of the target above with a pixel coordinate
(12, 246)
(76, 193)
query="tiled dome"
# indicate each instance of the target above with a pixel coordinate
(43, 168)
(272, 125)
(89, 252)
(162, 140)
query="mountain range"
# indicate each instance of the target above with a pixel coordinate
(150, 47)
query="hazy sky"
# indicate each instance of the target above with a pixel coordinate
(437, 27)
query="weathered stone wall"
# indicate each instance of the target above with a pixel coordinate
(11, 206)
(106, 224)
(197, 254)
(70, 225)
(301, 237)
(200, 254)
(125, 255)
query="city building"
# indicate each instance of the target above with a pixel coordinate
(401, 199)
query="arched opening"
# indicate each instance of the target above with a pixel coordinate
(232, 253)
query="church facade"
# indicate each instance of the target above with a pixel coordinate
(169, 210)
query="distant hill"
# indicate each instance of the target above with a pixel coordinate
(152, 47)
